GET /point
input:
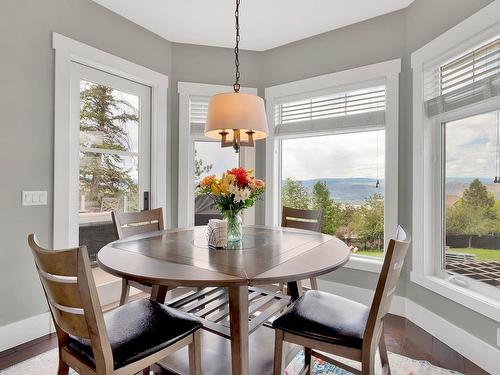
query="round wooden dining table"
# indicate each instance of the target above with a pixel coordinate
(266, 255)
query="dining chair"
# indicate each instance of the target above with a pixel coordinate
(125, 340)
(303, 219)
(325, 322)
(127, 224)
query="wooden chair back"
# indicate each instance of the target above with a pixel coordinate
(71, 293)
(302, 219)
(131, 223)
(386, 286)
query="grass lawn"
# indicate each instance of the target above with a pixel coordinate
(482, 255)
(374, 253)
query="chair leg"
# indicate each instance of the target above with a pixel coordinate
(368, 363)
(63, 368)
(314, 283)
(195, 354)
(308, 361)
(125, 292)
(278, 352)
(384, 358)
(282, 288)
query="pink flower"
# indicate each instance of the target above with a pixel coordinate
(259, 183)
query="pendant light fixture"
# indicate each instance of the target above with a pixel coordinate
(235, 118)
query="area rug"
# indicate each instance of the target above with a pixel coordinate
(400, 365)
(46, 364)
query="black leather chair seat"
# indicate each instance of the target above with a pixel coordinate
(138, 329)
(326, 317)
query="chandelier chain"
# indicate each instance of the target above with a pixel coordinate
(236, 85)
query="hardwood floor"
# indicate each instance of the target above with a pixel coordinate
(402, 337)
(405, 338)
(27, 350)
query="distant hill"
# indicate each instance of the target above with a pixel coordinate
(356, 190)
(349, 190)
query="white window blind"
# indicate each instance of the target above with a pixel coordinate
(198, 109)
(363, 108)
(468, 79)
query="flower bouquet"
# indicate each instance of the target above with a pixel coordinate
(235, 191)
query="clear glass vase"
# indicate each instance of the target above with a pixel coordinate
(234, 226)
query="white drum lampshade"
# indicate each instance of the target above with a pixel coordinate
(237, 119)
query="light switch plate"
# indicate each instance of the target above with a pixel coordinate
(34, 198)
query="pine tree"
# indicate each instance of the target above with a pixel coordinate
(102, 125)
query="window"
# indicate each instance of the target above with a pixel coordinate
(109, 151)
(470, 223)
(203, 156)
(334, 147)
(209, 159)
(110, 142)
(114, 155)
(344, 176)
(456, 83)
(472, 198)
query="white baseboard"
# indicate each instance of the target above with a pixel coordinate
(468, 345)
(25, 330)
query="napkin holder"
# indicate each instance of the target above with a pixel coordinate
(217, 233)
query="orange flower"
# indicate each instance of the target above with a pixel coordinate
(207, 181)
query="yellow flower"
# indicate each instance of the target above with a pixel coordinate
(215, 189)
(227, 181)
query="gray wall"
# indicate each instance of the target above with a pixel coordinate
(27, 130)
(27, 76)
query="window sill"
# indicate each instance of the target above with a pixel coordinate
(479, 303)
(362, 263)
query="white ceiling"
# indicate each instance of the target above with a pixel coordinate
(264, 23)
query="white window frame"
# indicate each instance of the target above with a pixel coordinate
(65, 233)
(81, 72)
(186, 90)
(384, 73)
(427, 163)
